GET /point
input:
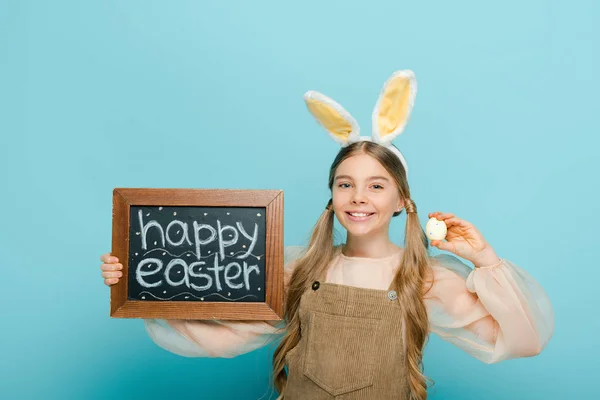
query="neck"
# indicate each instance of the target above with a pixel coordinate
(370, 247)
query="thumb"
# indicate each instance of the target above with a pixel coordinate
(446, 246)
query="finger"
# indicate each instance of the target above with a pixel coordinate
(436, 214)
(461, 222)
(107, 258)
(453, 221)
(111, 267)
(111, 281)
(111, 274)
(444, 216)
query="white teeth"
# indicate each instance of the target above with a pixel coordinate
(359, 214)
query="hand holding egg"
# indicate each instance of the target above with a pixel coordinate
(450, 233)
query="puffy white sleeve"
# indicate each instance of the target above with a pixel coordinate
(208, 338)
(493, 313)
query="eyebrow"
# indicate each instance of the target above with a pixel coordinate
(371, 178)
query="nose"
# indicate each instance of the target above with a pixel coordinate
(358, 197)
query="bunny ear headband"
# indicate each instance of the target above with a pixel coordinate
(390, 115)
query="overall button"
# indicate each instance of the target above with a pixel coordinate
(392, 295)
(315, 285)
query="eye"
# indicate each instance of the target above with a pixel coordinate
(344, 185)
(377, 186)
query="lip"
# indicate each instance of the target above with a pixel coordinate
(359, 219)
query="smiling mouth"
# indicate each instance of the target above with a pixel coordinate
(359, 216)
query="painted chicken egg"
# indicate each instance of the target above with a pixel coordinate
(435, 229)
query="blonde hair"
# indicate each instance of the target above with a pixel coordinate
(408, 281)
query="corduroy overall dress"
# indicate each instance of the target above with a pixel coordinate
(351, 346)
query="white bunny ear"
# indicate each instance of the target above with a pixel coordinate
(394, 106)
(337, 122)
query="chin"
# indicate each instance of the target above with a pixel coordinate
(360, 233)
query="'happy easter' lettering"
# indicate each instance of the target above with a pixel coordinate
(193, 264)
(193, 270)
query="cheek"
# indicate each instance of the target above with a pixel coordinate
(389, 204)
(339, 199)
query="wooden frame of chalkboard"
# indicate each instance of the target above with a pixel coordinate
(172, 283)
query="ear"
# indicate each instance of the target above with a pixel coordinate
(400, 205)
(337, 122)
(394, 106)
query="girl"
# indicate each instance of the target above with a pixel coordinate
(358, 315)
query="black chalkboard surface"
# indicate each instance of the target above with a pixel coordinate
(198, 254)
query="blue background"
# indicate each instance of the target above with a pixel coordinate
(97, 95)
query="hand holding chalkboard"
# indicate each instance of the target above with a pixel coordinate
(111, 269)
(196, 254)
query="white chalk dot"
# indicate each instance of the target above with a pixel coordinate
(164, 291)
(178, 272)
(231, 253)
(164, 254)
(205, 213)
(202, 298)
(259, 289)
(155, 243)
(136, 254)
(174, 213)
(143, 297)
(258, 214)
(137, 233)
(209, 251)
(258, 258)
(147, 215)
(244, 246)
(160, 208)
(229, 294)
(178, 231)
(230, 235)
(188, 255)
(187, 297)
(227, 213)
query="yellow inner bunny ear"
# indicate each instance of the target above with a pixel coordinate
(330, 119)
(395, 106)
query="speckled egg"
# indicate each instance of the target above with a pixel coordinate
(435, 229)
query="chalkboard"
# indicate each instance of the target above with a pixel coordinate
(198, 253)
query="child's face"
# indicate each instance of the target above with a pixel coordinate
(362, 185)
